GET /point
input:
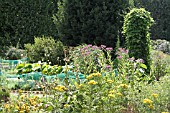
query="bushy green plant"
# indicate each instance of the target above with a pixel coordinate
(45, 49)
(136, 30)
(89, 58)
(160, 64)
(14, 53)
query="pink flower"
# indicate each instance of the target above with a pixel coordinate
(109, 48)
(119, 57)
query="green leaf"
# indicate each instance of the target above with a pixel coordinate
(143, 66)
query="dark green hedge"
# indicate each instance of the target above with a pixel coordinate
(21, 20)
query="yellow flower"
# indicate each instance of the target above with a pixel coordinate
(155, 95)
(110, 81)
(92, 82)
(17, 107)
(97, 74)
(147, 101)
(20, 91)
(119, 94)
(27, 108)
(94, 75)
(111, 95)
(22, 111)
(61, 88)
(151, 106)
(90, 76)
(123, 85)
(22, 96)
(164, 112)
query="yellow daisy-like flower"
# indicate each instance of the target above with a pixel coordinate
(147, 101)
(110, 81)
(124, 86)
(155, 95)
(164, 112)
(111, 95)
(92, 82)
(151, 106)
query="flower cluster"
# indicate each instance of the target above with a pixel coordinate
(94, 75)
(61, 88)
(92, 82)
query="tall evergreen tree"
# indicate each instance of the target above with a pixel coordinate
(90, 21)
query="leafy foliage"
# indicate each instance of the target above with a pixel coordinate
(136, 30)
(45, 49)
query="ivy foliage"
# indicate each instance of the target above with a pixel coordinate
(136, 28)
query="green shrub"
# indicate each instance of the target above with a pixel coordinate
(160, 64)
(89, 58)
(45, 49)
(136, 30)
(15, 53)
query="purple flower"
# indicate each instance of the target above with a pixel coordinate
(87, 53)
(108, 67)
(109, 48)
(126, 51)
(120, 49)
(94, 47)
(89, 45)
(119, 57)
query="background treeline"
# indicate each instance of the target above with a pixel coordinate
(160, 11)
(21, 20)
(85, 21)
